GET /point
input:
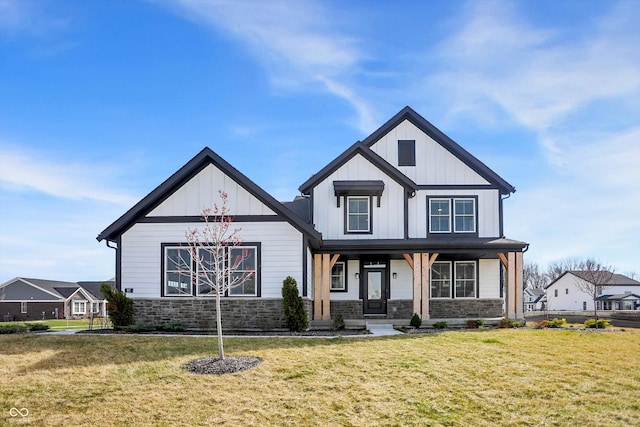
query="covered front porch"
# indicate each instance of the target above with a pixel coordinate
(390, 284)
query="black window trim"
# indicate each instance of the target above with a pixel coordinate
(451, 233)
(403, 145)
(346, 214)
(163, 294)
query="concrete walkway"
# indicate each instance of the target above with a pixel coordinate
(380, 330)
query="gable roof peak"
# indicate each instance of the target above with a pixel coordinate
(408, 113)
(205, 157)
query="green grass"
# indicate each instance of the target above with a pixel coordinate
(61, 324)
(506, 377)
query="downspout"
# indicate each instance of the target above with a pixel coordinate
(500, 213)
(117, 249)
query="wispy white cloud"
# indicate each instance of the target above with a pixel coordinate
(65, 178)
(297, 42)
(30, 17)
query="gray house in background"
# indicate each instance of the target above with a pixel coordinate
(27, 299)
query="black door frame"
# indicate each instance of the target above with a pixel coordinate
(377, 306)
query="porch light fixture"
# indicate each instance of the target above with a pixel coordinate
(357, 275)
(395, 275)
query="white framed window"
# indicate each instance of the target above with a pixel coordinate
(441, 280)
(338, 277)
(465, 274)
(243, 260)
(452, 215)
(23, 307)
(79, 307)
(95, 307)
(358, 214)
(464, 214)
(183, 277)
(178, 271)
(439, 216)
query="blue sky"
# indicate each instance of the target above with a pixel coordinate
(101, 101)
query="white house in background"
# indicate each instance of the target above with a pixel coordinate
(534, 299)
(406, 221)
(622, 293)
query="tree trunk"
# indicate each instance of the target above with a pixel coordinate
(219, 325)
(595, 311)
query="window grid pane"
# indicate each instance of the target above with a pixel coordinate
(178, 271)
(358, 214)
(465, 279)
(337, 277)
(441, 280)
(439, 210)
(464, 213)
(243, 260)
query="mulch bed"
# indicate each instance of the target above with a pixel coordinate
(217, 366)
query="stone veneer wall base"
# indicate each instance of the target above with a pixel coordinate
(263, 314)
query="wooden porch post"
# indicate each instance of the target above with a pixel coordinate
(519, 287)
(426, 268)
(326, 284)
(510, 300)
(417, 283)
(317, 287)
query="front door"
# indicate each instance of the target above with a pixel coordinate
(375, 290)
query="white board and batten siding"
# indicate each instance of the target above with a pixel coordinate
(434, 164)
(281, 243)
(202, 191)
(489, 278)
(388, 220)
(280, 253)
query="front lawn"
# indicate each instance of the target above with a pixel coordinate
(474, 378)
(62, 324)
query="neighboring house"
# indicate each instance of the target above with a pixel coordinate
(622, 293)
(36, 299)
(404, 222)
(534, 299)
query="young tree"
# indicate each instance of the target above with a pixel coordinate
(213, 263)
(594, 278)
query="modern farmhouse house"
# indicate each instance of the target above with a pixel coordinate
(564, 293)
(404, 222)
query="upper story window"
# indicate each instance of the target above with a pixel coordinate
(358, 203)
(406, 152)
(452, 215)
(358, 214)
(182, 276)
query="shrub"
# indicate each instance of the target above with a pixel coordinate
(171, 327)
(119, 307)
(507, 323)
(440, 325)
(541, 324)
(37, 326)
(12, 329)
(601, 324)
(416, 321)
(338, 322)
(295, 315)
(557, 323)
(475, 324)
